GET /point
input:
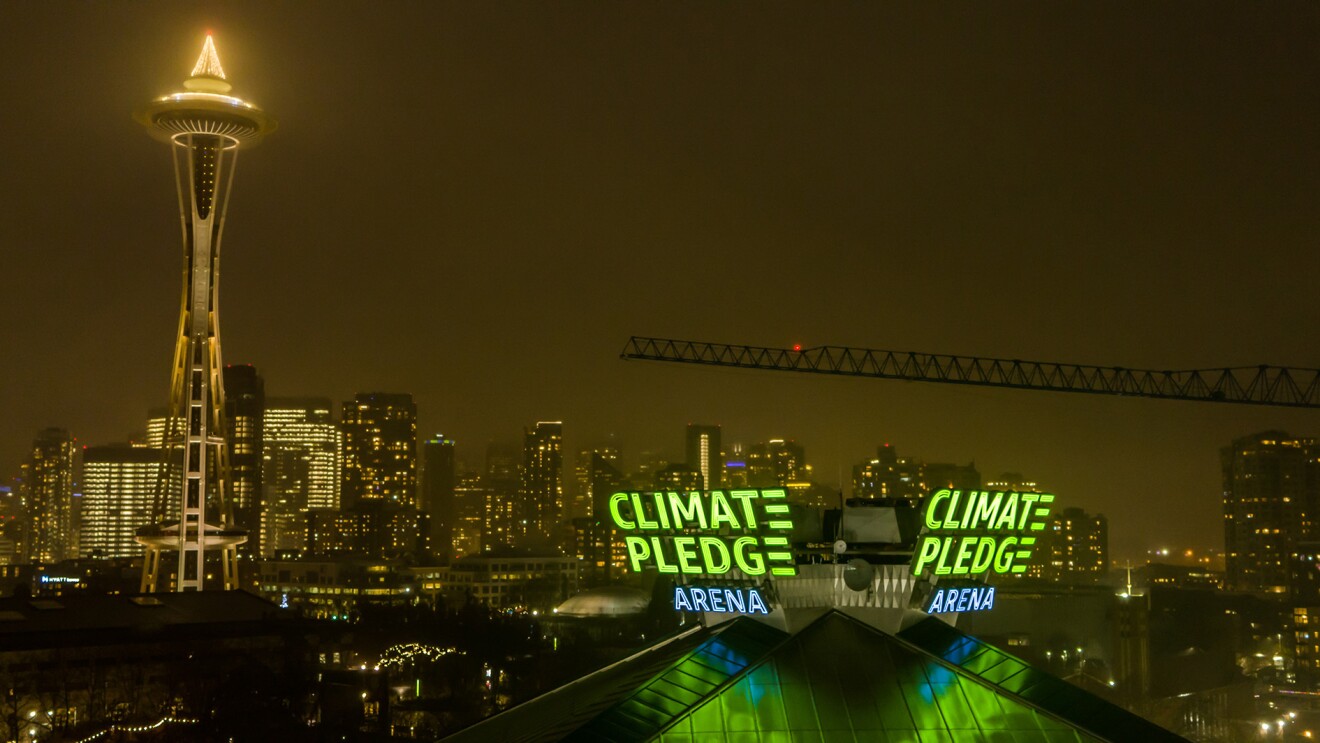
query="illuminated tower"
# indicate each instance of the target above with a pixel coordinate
(704, 455)
(205, 128)
(541, 503)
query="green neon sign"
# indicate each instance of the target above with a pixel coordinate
(976, 532)
(706, 532)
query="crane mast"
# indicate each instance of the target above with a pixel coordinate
(1248, 385)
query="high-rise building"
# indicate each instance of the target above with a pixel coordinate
(1271, 492)
(158, 420)
(705, 455)
(936, 475)
(582, 498)
(502, 481)
(13, 523)
(470, 509)
(1304, 600)
(49, 479)
(380, 449)
(776, 463)
(245, 407)
(302, 460)
(374, 529)
(680, 478)
(1073, 549)
(438, 481)
(205, 128)
(540, 504)
(119, 490)
(889, 478)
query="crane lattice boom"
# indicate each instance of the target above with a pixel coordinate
(1250, 385)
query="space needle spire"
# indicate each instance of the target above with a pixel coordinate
(205, 128)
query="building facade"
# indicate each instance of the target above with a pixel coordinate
(1271, 493)
(438, 483)
(540, 505)
(120, 487)
(245, 408)
(302, 462)
(705, 455)
(1073, 549)
(380, 449)
(49, 482)
(776, 463)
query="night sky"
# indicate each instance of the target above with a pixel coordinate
(478, 203)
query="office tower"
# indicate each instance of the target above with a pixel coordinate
(1073, 549)
(1013, 481)
(158, 419)
(13, 523)
(245, 407)
(599, 548)
(470, 507)
(49, 478)
(205, 128)
(582, 499)
(302, 459)
(705, 456)
(936, 475)
(540, 503)
(776, 463)
(503, 480)
(380, 449)
(680, 478)
(372, 529)
(1304, 600)
(119, 488)
(1271, 491)
(438, 481)
(888, 477)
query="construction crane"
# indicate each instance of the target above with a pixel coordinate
(1248, 385)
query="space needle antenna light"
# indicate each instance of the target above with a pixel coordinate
(205, 128)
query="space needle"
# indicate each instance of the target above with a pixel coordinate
(205, 127)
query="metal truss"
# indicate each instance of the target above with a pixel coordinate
(1248, 385)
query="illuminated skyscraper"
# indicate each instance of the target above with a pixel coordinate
(1073, 549)
(705, 456)
(49, 480)
(205, 128)
(888, 478)
(438, 481)
(302, 458)
(380, 449)
(582, 491)
(1271, 495)
(540, 506)
(502, 481)
(776, 463)
(245, 406)
(118, 495)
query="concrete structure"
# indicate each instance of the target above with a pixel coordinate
(205, 128)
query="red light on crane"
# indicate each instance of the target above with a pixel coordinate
(797, 346)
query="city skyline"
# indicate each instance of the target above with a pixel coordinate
(669, 171)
